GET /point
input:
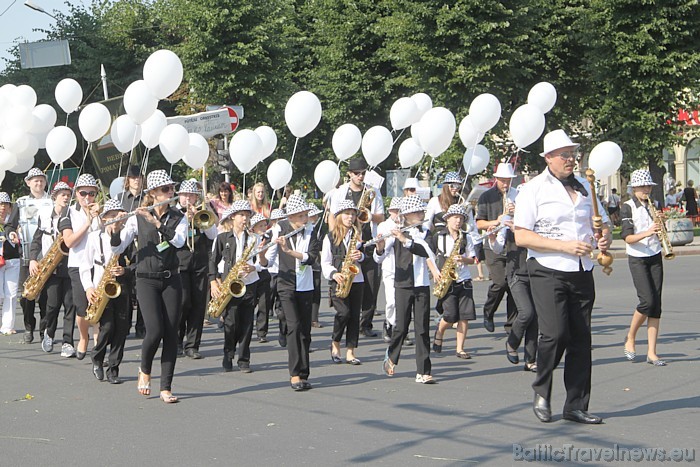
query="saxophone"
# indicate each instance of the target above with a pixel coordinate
(449, 269)
(363, 206)
(666, 247)
(232, 286)
(349, 270)
(47, 265)
(107, 289)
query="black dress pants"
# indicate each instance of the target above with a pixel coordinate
(525, 324)
(417, 300)
(161, 302)
(194, 304)
(296, 308)
(58, 291)
(264, 303)
(28, 306)
(279, 311)
(498, 288)
(114, 325)
(238, 325)
(564, 301)
(316, 304)
(373, 279)
(347, 315)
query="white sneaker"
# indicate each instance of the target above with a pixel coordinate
(425, 379)
(67, 350)
(47, 344)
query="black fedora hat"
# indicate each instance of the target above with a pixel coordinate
(357, 165)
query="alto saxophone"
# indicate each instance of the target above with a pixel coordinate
(232, 286)
(107, 289)
(666, 247)
(47, 265)
(349, 270)
(449, 269)
(363, 206)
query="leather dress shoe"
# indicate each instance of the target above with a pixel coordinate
(227, 363)
(299, 386)
(79, 355)
(542, 409)
(244, 368)
(98, 371)
(112, 378)
(306, 385)
(512, 355)
(28, 337)
(367, 332)
(488, 324)
(193, 354)
(581, 416)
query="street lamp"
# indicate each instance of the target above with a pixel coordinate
(38, 8)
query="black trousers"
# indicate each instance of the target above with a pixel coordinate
(79, 298)
(564, 301)
(417, 300)
(648, 278)
(525, 324)
(28, 306)
(139, 327)
(194, 304)
(263, 298)
(161, 302)
(316, 304)
(58, 291)
(498, 288)
(238, 324)
(347, 315)
(373, 279)
(296, 308)
(278, 306)
(114, 325)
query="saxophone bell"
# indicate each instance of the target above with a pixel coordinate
(237, 288)
(364, 216)
(113, 289)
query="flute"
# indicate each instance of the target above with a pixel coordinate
(381, 237)
(290, 234)
(133, 213)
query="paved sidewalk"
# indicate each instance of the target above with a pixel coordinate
(693, 248)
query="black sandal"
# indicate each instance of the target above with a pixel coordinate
(437, 348)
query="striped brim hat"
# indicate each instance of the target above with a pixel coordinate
(112, 205)
(395, 204)
(456, 210)
(315, 211)
(189, 187)
(452, 177)
(277, 214)
(296, 204)
(34, 172)
(157, 179)
(412, 203)
(85, 180)
(641, 177)
(344, 205)
(5, 198)
(256, 219)
(60, 186)
(237, 206)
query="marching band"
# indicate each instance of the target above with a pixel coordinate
(186, 262)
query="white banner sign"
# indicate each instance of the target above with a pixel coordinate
(208, 124)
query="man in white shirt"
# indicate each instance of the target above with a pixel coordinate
(553, 221)
(613, 204)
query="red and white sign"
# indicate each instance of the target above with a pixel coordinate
(234, 118)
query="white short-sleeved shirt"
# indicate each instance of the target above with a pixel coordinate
(384, 229)
(545, 207)
(641, 222)
(78, 218)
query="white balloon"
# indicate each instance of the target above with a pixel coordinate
(269, 141)
(469, 135)
(20, 117)
(403, 113)
(543, 95)
(163, 72)
(485, 111)
(302, 113)
(44, 118)
(415, 134)
(197, 152)
(476, 159)
(125, 133)
(346, 141)
(31, 149)
(69, 95)
(423, 104)
(41, 138)
(376, 145)
(139, 102)
(605, 159)
(15, 140)
(6, 92)
(245, 149)
(151, 129)
(279, 173)
(23, 165)
(409, 153)
(2, 176)
(116, 187)
(25, 96)
(94, 121)
(526, 125)
(326, 175)
(7, 159)
(437, 130)
(173, 142)
(60, 144)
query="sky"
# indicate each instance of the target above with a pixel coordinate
(17, 24)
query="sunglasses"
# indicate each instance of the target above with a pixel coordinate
(85, 194)
(167, 189)
(454, 185)
(358, 173)
(410, 189)
(569, 155)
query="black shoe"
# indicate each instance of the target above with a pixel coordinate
(386, 332)
(367, 332)
(80, 355)
(244, 368)
(194, 354)
(581, 416)
(297, 386)
(542, 409)
(488, 324)
(306, 385)
(98, 371)
(112, 378)
(28, 337)
(262, 339)
(227, 363)
(282, 340)
(512, 355)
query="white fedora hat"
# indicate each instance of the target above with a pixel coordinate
(504, 170)
(557, 139)
(411, 183)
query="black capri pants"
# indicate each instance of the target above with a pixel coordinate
(648, 278)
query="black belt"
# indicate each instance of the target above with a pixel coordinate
(157, 275)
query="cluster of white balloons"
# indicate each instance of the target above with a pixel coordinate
(484, 114)
(24, 127)
(527, 122)
(250, 147)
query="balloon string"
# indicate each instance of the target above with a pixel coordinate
(398, 137)
(320, 220)
(420, 164)
(80, 171)
(272, 200)
(294, 151)
(243, 191)
(469, 167)
(171, 171)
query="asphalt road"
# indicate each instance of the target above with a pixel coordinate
(54, 411)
